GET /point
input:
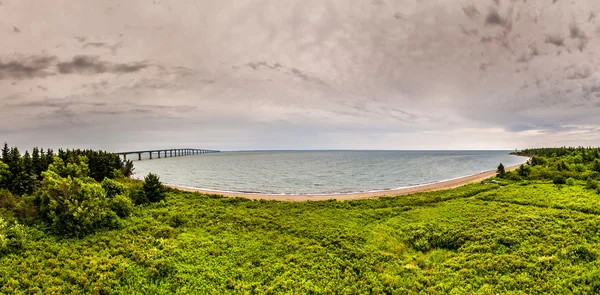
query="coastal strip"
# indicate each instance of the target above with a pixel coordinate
(453, 183)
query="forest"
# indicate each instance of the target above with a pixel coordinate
(73, 222)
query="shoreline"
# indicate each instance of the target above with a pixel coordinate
(442, 185)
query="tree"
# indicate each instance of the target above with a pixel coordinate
(128, 168)
(523, 171)
(5, 152)
(153, 189)
(74, 206)
(5, 176)
(500, 172)
(36, 161)
(596, 166)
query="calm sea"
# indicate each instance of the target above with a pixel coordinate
(320, 172)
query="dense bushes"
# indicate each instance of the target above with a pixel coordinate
(74, 206)
(12, 237)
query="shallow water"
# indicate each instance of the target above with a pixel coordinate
(320, 172)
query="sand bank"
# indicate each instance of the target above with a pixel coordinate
(355, 196)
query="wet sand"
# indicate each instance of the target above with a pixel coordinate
(355, 196)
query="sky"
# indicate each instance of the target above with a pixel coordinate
(299, 74)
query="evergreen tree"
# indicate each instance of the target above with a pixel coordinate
(36, 161)
(153, 188)
(500, 172)
(5, 152)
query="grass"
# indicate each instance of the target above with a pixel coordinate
(520, 238)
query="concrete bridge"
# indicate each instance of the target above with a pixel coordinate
(166, 153)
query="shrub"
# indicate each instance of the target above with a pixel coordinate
(112, 187)
(512, 176)
(7, 200)
(570, 181)
(138, 197)
(579, 253)
(73, 206)
(153, 189)
(591, 184)
(424, 237)
(121, 205)
(559, 179)
(524, 171)
(12, 237)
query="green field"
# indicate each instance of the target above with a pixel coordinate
(528, 234)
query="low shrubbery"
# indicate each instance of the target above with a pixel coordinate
(12, 237)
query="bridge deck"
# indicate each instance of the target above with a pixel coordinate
(171, 152)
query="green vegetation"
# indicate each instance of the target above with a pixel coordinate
(528, 233)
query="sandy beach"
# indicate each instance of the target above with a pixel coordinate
(355, 196)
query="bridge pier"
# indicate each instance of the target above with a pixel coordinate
(150, 155)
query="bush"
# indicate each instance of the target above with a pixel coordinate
(112, 187)
(424, 237)
(12, 237)
(570, 181)
(153, 189)
(559, 179)
(7, 200)
(512, 176)
(73, 206)
(591, 184)
(121, 205)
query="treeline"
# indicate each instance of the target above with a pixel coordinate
(24, 172)
(587, 154)
(74, 192)
(564, 165)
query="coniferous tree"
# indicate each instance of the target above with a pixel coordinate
(153, 189)
(500, 172)
(36, 161)
(5, 152)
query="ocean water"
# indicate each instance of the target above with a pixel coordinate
(320, 172)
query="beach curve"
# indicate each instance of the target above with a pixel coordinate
(442, 185)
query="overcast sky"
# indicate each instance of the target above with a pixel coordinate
(305, 74)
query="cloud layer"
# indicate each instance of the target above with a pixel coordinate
(263, 74)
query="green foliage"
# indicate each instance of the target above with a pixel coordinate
(520, 237)
(596, 166)
(153, 189)
(12, 237)
(524, 171)
(128, 168)
(500, 172)
(121, 205)
(73, 206)
(559, 178)
(112, 187)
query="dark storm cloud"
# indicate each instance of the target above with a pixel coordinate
(26, 67)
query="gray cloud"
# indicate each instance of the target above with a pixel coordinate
(409, 73)
(83, 64)
(26, 67)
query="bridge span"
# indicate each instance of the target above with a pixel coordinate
(166, 153)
